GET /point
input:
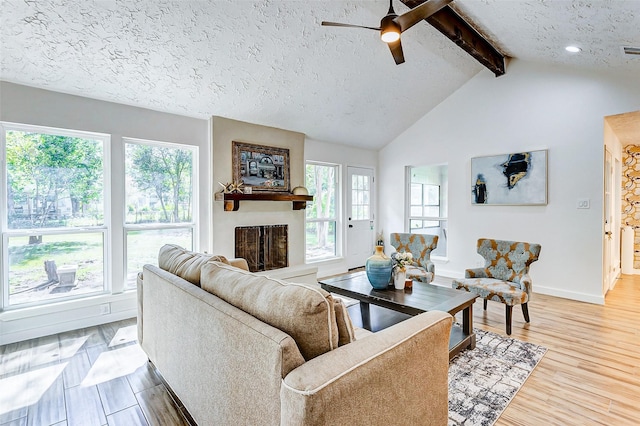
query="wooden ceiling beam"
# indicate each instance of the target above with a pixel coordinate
(455, 28)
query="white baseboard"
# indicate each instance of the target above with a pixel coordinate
(572, 295)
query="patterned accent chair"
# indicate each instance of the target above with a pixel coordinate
(505, 276)
(420, 246)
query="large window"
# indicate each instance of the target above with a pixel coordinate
(160, 197)
(321, 219)
(428, 203)
(58, 198)
(54, 228)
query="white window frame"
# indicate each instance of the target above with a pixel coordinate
(336, 218)
(7, 233)
(193, 225)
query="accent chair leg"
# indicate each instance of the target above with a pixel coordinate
(485, 304)
(509, 311)
(525, 312)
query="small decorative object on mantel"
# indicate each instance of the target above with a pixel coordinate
(226, 187)
(236, 188)
(248, 190)
(300, 190)
(232, 188)
(378, 268)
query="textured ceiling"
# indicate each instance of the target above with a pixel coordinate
(270, 62)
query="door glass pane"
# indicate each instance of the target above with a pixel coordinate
(53, 181)
(143, 247)
(48, 267)
(360, 197)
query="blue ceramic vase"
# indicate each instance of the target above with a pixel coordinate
(378, 268)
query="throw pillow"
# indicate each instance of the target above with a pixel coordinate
(346, 331)
(184, 263)
(304, 313)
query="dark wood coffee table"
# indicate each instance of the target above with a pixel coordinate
(421, 298)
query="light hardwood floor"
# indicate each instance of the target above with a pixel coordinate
(93, 376)
(97, 376)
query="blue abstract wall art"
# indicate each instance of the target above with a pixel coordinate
(518, 178)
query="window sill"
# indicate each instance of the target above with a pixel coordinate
(326, 261)
(17, 313)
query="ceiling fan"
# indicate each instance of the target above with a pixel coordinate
(392, 25)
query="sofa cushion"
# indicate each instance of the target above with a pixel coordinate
(304, 313)
(184, 263)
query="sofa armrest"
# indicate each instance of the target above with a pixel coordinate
(398, 373)
(240, 263)
(476, 273)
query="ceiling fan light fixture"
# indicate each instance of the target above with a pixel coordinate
(390, 36)
(390, 30)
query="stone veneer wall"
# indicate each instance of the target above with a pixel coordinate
(631, 195)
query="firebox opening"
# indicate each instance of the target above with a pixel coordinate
(263, 247)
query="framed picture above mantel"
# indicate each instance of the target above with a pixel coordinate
(261, 167)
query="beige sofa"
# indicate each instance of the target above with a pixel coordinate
(242, 349)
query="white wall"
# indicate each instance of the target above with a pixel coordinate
(531, 107)
(26, 105)
(325, 152)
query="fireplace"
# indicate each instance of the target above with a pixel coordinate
(264, 247)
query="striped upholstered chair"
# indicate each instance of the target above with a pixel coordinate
(420, 246)
(505, 276)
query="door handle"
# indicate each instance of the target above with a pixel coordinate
(350, 226)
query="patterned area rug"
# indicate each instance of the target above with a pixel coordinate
(483, 381)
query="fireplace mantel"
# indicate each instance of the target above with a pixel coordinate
(232, 201)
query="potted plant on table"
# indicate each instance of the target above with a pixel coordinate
(400, 262)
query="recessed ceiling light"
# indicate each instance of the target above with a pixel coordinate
(573, 49)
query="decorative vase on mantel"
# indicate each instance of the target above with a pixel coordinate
(399, 277)
(378, 268)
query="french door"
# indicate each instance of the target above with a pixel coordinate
(360, 194)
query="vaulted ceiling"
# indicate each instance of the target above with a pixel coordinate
(270, 62)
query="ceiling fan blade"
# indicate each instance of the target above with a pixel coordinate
(338, 24)
(396, 51)
(417, 14)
